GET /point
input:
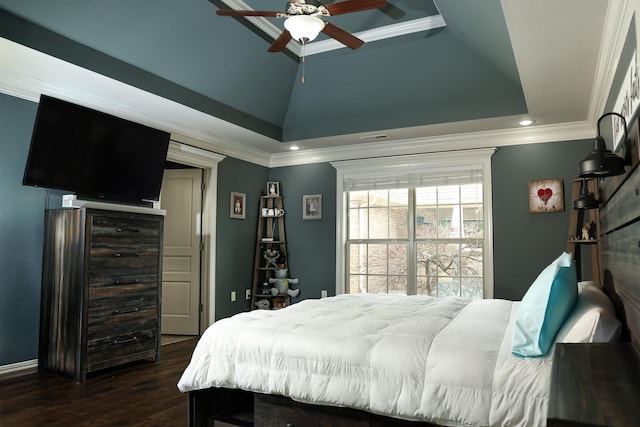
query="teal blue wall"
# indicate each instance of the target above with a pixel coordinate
(236, 238)
(311, 243)
(524, 242)
(21, 231)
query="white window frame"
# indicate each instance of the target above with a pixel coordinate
(415, 164)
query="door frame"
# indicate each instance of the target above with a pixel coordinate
(208, 161)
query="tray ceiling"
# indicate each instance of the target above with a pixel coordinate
(433, 69)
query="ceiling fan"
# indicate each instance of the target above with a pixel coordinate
(303, 21)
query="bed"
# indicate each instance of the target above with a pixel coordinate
(409, 360)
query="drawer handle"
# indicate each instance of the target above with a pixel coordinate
(125, 311)
(127, 230)
(127, 341)
(126, 282)
(124, 254)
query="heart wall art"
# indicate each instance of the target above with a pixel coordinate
(546, 196)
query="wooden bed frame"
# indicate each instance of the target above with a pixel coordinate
(620, 261)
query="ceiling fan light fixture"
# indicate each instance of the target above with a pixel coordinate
(304, 28)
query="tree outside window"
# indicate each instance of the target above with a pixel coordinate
(425, 240)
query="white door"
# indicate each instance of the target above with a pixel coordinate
(181, 197)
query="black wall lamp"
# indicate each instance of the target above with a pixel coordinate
(586, 200)
(601, 162)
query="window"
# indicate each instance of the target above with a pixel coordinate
(416, 225)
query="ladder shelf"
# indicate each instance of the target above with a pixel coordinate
(271, 253)
(584, 228)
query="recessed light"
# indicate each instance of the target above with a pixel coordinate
(526, 122)
(294, 148)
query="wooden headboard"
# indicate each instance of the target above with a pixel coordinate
(620, 246)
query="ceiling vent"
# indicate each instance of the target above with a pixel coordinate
(378, 137)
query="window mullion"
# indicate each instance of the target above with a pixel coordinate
(412, 286)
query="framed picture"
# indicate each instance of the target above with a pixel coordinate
(546, 196)
(273, 188)
(238, 204)
(312, 206)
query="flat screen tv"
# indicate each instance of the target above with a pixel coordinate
(95, 155)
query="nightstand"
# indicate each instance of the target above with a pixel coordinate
(595, 385)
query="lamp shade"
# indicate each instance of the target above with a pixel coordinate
(601, 162)
(586, 200)
(304, 28)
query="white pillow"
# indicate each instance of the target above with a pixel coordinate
(593, 318)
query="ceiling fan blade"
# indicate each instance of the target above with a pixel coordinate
(349, 6)
(233, 12)
(337, 33)
(281, 42)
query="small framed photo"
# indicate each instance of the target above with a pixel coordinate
(312, 206)
(273, 188)
(546, 196)
(238, 205)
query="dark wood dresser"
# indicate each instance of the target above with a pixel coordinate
(101, 290)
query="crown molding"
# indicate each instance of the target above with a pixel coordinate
(394, 30)
(616, 25)
(435, 144)
(381, 33)
(192, 156)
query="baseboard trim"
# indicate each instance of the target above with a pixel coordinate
(18, 369)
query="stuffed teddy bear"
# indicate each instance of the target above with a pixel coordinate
(282, 283)
(262, 304)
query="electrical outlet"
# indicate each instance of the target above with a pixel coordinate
(233, 295)
(247, 294)
(323, 293)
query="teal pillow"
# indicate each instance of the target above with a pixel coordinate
(545, 307)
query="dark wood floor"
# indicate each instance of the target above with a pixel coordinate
(138, 394)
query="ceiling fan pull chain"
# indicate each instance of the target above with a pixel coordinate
(304, 59)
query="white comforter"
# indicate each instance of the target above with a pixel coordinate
(446, 360)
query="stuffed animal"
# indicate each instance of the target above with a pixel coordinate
(282, 283)
(262, 304)
(271, 255)
(586, 231)
(278, 302)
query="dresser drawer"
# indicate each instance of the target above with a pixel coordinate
(118, 301)
(107, 331)
(108, 351)
(121, 278)
(105, 256)
(119, 229)
(121, 320)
